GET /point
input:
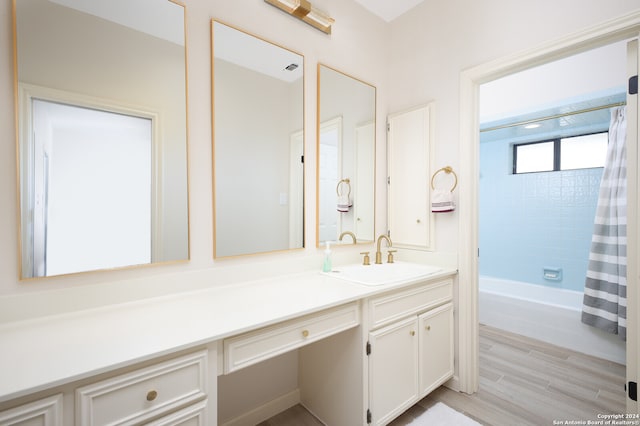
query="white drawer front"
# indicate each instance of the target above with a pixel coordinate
(392, 307)
(45, 412)
(142, 394)
(253, 347)
(194, 415)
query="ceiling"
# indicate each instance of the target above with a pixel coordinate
(389, 9)
(159, 19)
(253, 53)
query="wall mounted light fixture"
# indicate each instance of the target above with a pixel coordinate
(303, 10)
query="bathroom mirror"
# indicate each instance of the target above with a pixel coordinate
(102, 134)
(346, 157)
(258, 144)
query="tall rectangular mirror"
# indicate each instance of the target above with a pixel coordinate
(346, 158)
(102, 134)
(258, 144)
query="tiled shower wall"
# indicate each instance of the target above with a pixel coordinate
(529, 222)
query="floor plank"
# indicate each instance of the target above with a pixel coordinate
(522, 382)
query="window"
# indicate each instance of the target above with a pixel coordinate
(576, 152)
(582, 152)
(534, 157)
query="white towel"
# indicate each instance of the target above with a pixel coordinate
(344, 203)
(442, 201)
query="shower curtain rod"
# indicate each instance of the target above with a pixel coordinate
(551, 117)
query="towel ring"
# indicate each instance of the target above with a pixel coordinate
(348, 182)
(447, 170)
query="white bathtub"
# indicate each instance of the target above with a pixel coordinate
(544, 313)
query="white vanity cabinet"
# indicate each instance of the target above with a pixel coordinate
(364, 355)
(410, 347)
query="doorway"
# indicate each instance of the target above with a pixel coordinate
(543, 145)
(616, 30)
(330, 147)
(92, 189)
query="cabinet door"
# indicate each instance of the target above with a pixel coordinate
(436, 347)
(393, 370)
(409, 160)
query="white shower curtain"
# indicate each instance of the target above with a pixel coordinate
(605, 292)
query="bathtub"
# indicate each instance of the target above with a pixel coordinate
(544, 313)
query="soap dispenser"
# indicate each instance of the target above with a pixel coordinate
(326, 264)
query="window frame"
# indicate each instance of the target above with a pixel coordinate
(557, 145)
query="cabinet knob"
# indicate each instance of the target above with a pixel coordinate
(151, 395)
(428, 328)
(417, 220)
(413, 333)
(305, 333)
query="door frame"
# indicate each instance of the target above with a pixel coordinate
(296, 190)
(330, 124)
(24, 155)
(622, 28)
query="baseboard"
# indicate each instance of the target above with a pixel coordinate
(312, 413)
(266, 411)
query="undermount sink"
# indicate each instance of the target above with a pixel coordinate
(386, 273)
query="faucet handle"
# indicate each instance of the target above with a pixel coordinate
(366, 260)
(390, 257)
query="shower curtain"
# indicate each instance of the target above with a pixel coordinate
(605, 292)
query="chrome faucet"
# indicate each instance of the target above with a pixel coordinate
(353, 236)
(378, 253)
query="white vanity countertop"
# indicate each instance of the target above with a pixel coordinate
(51, 351)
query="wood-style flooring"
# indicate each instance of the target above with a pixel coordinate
(522, 382)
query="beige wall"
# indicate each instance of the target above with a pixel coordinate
(438, 40)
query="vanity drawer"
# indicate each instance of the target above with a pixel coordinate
(137, 396)
(44, 412)
(393, 306)
(194, 415)
(250, 348)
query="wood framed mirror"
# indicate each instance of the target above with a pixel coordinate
(101, 107)
(258, 144)
(346, 148)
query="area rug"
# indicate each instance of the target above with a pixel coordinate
(442, 415)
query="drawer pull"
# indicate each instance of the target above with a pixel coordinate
(151, 395)
(413, 333)
(428, 328)
(305, 333)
